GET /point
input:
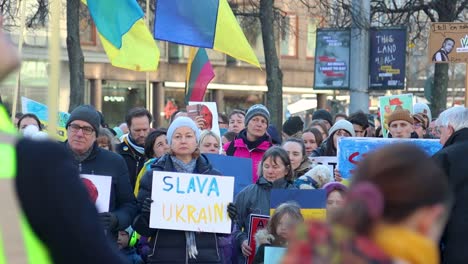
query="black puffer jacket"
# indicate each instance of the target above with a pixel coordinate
(122, 200)
(169, 246)
(453, 160)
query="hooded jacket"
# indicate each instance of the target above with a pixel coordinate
(241, 149)
(106, 163)
(169, 246)
(453, 160)
(255, 199)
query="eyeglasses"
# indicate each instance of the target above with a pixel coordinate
(74, 128)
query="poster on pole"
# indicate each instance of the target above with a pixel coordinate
(387, 58)
(448, 42)
(352, 150)
(332, 56)
(257, 222)
(191, 202)
(388, 104)
(99, 190)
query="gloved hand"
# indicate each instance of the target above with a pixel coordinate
(146, 206)
(232, 211)
(108, 220)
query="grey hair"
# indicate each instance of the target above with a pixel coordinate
(457, 117)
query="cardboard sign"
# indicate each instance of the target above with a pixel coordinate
(274, 255)
(330, 161)
(332, 59)
(448, 42)
(352, 150)
(387, 58)
(207, 110)
(312, 202)
(41, 111)
(257, 222)
(388, 104)
(191, 202)
(99, 190)
(240, 168)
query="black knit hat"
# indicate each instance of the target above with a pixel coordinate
(324, 115)
(293, 125)
(88, 114)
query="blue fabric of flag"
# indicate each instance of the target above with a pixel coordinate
(187, 22)
(114, 18)
(305, 198)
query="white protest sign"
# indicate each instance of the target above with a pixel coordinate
(191, 202)
(329, 161)
(99, 190)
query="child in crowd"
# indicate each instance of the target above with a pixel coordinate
(279, 230)
(126, 242)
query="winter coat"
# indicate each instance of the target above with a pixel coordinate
(302, 169)
(57, 206)
(453, 160)
(134, 160)
(122, 201)
(241, 150)
(255, 199)
(132, 255)
(169, 246)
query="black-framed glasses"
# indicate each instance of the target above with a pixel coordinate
(74, 128)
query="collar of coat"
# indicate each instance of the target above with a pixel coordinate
(458, 136)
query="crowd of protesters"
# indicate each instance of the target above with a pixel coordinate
(429, 195)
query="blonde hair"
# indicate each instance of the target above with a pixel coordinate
(207, 133)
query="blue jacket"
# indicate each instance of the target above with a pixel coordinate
(122, 200)
(169, 246)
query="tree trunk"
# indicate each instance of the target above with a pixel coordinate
(75, 54)
(439, 89)
(274, 75)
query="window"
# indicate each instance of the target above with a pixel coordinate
(311, 37)
(288, 34)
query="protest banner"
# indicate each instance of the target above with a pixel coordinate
(240, 168)
(257, 222)
(332, 57)
(274, 255)
(448, 42)
(41, 111)
(99, 190)
(352, 150)
(388, 104)
(191, 202)
(387, 58)
(329, 161)
(207, 110)
(312, 202)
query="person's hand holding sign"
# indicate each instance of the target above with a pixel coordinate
(246, 249)
(201, 122)
(337, 175)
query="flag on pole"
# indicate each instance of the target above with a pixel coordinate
(199, 75)
(207, 24)
(124, 35)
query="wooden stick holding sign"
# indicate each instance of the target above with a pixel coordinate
(191, 202)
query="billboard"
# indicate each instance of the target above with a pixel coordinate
(332, 56)
(387, 58)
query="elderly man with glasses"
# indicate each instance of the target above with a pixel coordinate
(82, 131)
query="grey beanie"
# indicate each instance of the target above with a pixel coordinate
(88, 114)
(256, 110)
(182, 121)
(342, 124)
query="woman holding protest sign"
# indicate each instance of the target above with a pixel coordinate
(395, 211)
(274, 171)
(174, 246)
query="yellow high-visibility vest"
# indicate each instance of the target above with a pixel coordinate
(18, 243)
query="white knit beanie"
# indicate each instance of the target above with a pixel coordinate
(342, 124)
(182, 121)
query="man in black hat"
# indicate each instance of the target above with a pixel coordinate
(82, 131)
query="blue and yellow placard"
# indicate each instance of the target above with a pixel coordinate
(312, 202)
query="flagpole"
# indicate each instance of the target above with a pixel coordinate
(147, 74)
(54, 61)
(20, 49)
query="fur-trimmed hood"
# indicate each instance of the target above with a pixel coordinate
(263, 237)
